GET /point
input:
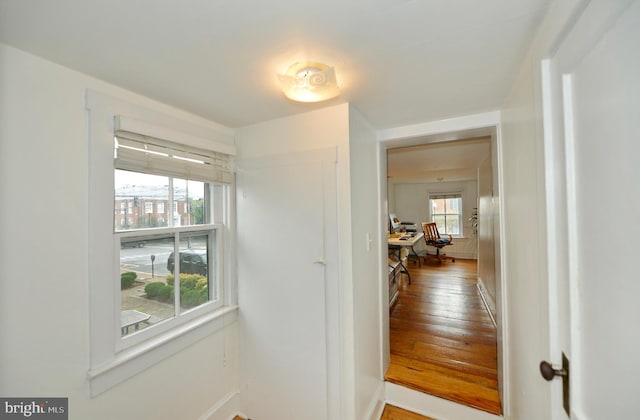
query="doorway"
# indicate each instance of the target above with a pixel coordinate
(399, 190)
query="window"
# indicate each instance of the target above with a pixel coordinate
(124, 238)
(169, 268)
(446, 212)
(162, 287)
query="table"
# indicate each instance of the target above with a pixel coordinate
(407, 240)
(131, 317)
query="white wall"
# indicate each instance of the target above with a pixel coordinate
(365, 228)
(410, 203)
(44, 222)
(358, 218)
(315, 130)
(487, 215)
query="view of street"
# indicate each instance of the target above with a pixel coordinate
(139, 259)
(148, 259)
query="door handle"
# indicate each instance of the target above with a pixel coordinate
(548, 372)
(320, 261)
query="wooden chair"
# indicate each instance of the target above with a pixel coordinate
(432, 238)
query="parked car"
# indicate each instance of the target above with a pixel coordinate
(133, 244)
(191, 262)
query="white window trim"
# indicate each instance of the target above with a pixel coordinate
(111, 364)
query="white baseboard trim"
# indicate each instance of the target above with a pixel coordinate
(489, 303)
(225, 409)
(430, 406)
(458, 255)
(463, 255)
(376, 406)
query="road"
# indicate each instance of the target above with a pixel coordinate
(139, 259)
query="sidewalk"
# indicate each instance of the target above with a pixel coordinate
(135, 298)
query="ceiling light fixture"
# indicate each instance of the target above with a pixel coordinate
(309, 81)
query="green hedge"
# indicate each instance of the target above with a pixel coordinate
(189, 281)
(127, 279)
(153, 289)
(194, 290)
(190, 298)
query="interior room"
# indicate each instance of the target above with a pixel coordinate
(196, 203)
(459, 169)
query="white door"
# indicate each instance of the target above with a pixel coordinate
(591, 85)
(287, 257)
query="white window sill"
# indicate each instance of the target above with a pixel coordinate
(133, 360)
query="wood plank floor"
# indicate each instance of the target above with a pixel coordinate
(395, 413)
(443, 342)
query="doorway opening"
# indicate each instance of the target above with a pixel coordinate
(465, 164)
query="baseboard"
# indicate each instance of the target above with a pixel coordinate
(464, 255)
(376, 406)
(430, 406)
(489, 303)
(225, 409)
(459, 255)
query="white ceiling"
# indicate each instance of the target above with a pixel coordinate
(398, 61)
(439, 162)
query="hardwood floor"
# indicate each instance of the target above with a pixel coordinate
(443, 342)
(394, 413)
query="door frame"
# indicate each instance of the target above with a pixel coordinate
(586, 23)
(461, 128)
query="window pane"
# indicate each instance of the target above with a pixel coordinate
(195, 272)
(437, 206)
(189, 199)
(453, 224)
(453, 205)
(146, 296)
(137, 200)
(440, 222)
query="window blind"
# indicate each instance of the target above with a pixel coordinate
(444, 196)
(141, 153)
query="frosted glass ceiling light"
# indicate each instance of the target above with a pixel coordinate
(309, 82)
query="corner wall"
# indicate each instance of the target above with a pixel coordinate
(342, 126)
(367, 266)
(307, 132)
(44, 304)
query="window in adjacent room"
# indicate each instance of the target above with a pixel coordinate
(446, 212)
